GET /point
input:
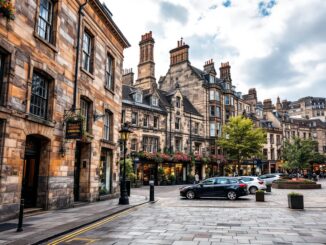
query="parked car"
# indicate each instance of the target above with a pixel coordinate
(254, 183)
(269, 178)
(229, 187)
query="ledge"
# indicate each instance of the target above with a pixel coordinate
(51, 46)
(87, 73)
(109, 90)
(36, 119)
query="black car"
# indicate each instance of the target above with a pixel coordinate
(229, 187)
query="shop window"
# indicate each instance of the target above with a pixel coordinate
(156, 122)
(86, 112)
(105, 172)
(134, 118)
(40, 95)
(177, 123)
(88, 42)
(45, 20)
(109, 72)
(108, 126)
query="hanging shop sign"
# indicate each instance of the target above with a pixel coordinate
(74, 129)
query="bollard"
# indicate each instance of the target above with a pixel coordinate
(151, 190)
(21, 214)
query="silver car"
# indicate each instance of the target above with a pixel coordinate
(269, 178)
(254, 183)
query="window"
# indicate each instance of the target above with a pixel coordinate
(212, 111)
(177, 123)
(138, 97)
(272, 154)
(196, 128)
(212, 95)
(108, 126)
(221, 181)
(278, 139)
(134, 118)
(218, 129)
(217, 96)
(232, 100)
(211, 79)
(178, 144)
(146, 119)
(271, 138)
(45, 26)
(156, 121)
(85, 111)
(209, 182)
(133, 145)
(218, 111)
(324, 148)
(87, 52)
(227, 86)
(154, 101)
(212, 129)
(3, 58)
(178, 102)
(150, 144)
(227, 102)
(39, 98)
(109, 73)
(2, 138)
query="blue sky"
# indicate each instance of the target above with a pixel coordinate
(277, 46)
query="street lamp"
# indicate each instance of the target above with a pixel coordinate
(124, 135)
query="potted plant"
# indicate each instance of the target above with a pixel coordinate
(7, 9)
(295, 200)
(172, 179)
(160, 175)
(260, 196)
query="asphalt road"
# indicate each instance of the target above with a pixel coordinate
(174, 220)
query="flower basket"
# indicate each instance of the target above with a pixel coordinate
(7, 9)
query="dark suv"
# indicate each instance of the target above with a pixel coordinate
(229, 187)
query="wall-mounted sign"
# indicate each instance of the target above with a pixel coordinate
(74, 129)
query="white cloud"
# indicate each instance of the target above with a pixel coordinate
(285, 49)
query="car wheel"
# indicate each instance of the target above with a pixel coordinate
(232, 195)
(190, 195)
(253, 190)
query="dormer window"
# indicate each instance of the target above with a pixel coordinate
(138, 97)
(154, 101)
(211, 79)
(178, 102)
(227, 86)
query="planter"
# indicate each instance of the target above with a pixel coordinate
(295, 185)
(295, 201)
(269, 188)
(260, 196)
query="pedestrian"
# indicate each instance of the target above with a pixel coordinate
(314, 176)
(196, 178)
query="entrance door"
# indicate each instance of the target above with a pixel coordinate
(30, 179)
(77, 172)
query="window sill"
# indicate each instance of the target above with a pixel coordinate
(87, 73)
(39, 120)
(109, 90)
(109, 142)
(51, 46)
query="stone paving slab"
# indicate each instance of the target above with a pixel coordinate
(51, 223)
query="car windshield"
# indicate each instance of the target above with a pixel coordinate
(208, 182)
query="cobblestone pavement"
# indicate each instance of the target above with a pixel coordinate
(176, 221)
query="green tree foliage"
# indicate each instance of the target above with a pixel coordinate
(299, 152)
(241, 139)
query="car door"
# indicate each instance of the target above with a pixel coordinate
(207, 188)
(221, 186)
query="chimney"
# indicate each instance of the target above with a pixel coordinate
(128, 77)
(146, 48)
(278, 104)
(180, 54)
(225, 72)
(268, 106)
(209, 67)
(252, 92)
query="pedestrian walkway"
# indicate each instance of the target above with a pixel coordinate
(52, 223)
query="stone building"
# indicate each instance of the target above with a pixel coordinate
(50, 75)
(161, 120)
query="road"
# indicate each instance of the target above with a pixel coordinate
(176, 221)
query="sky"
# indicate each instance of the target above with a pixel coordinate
(275, 46)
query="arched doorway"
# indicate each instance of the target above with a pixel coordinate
(35, 171)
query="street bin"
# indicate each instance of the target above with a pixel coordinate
(128, 185)
(151, 190)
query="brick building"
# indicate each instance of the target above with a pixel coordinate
(49, 76)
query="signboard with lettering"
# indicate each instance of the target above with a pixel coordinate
(74, 129)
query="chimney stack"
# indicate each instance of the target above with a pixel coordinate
(128, 77)
(209, 67)
(225, 72)
(180, 54)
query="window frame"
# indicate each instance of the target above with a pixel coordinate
(37, 98)
(146, 119)
(49, 22)
(177, 123)
(136, 118)
(156, 121)
(108, 126)
(109, 72)
(87, 116)
(178, 102)
(90, 51)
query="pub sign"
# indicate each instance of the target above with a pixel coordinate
(74, 129)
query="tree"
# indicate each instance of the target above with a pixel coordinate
(299, 152)
(241, 139)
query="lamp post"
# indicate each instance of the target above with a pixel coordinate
(124, 134)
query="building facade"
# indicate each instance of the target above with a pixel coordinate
(59, 61)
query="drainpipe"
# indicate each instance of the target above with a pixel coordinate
(80, 13)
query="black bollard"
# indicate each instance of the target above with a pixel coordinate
(21, 215)
(151, 190)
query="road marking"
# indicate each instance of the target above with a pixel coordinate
(93, 226)
(84, 239)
